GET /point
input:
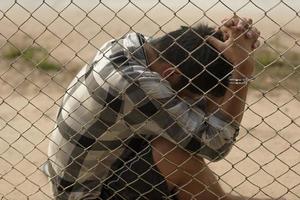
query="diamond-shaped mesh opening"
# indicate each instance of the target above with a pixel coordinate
(90, 110)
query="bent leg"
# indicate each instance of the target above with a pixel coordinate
(188, 174)
(134, 176)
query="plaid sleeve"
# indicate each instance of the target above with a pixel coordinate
(178, 121)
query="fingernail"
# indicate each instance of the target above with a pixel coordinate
(249, 34)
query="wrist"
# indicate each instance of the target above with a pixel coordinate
(240, 81)
(243, 69)
(241, 75)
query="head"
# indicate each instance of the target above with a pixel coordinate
(201, 69)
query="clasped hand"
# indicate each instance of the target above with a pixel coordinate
(240, 39)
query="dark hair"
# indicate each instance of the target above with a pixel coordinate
(202, 67)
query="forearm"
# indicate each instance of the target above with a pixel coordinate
(235, 97)
(241, 39)
(234, 102)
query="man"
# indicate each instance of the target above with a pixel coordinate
(137, 123)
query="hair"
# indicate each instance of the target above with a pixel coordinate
(203, 69)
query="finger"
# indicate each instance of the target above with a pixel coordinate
(256, 45)
(253, 33)
(225, 36)
(230, 22)
(228, 31)
(256, 31)
(235, 19)
(250, 21)
(243, 24)
(224, 20)
(216, 43)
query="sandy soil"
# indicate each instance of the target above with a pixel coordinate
(264, 162)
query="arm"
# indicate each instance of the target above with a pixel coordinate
(183, 124)
(157, 105)
(235, 97)
(237, 48)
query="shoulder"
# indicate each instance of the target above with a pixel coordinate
(127, 49)
(125, 55)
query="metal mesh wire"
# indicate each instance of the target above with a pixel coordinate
(44, 43)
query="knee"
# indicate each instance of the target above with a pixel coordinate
(174, 163)
(174, 154)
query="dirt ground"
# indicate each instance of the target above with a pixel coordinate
(264, 162)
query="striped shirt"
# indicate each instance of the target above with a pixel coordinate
(115, 99)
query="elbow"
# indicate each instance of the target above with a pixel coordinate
(219, 154)
(222, 153)
(216, 143)
(219, 146)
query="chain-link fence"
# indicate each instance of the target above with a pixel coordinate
(45, 43)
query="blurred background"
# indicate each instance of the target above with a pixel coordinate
(43, 44)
